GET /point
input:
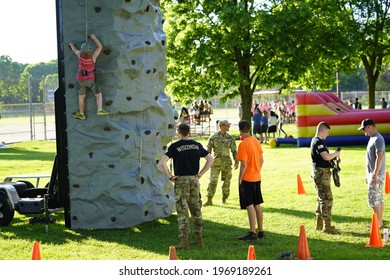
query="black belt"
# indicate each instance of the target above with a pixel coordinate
(86, 72)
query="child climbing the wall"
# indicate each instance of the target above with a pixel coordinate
(86, 76)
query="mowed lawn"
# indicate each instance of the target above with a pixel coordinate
(284, 213)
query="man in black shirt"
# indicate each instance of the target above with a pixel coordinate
(321, 175)
(186, 154)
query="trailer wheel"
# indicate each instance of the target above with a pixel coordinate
(29, 185)
(6, 210)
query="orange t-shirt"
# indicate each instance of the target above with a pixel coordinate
(250, 150)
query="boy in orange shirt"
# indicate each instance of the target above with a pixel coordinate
(250, 155)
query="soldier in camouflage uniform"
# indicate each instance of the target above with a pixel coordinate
(186, 154)
(321, 175)
(221, 144)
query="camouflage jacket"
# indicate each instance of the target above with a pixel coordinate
(221, 146)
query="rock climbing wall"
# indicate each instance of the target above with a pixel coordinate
(114, 177)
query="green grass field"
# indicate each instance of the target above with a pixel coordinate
(284, 213)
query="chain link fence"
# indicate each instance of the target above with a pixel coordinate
(24, 122)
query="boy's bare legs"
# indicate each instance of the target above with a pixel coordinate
(99, 101)
(379, 213)
(259, 216)
(99, 104)
(252, 217)
(81, 103)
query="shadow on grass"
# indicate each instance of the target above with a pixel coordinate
(220, 239)
(311, 215)
(10, 153)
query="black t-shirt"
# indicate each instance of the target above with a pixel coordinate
(318, 146)
(186, 155)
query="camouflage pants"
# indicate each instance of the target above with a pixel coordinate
(225, 168)
(187, 197)
(375, 195)
(321, 178)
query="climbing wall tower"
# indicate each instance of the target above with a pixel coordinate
(113, 176)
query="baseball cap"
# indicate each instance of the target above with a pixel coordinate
(224, 122)
(366, 122)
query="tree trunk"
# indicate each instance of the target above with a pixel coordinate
(371, 93)
(246, 101)
(372, 64)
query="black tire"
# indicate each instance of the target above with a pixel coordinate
(36, 192)
(29, 185)
(6, 210)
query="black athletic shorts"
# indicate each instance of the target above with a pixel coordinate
(250, 193)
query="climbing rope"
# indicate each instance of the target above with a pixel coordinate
(86, 20)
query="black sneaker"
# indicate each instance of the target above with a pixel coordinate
(261, 234)
(249, 237)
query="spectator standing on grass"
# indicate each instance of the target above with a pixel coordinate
(357, 105)
(264, 128)
(221, 144)
(375, 168)
(383, 103)
(321, 175)
(281, 121)
(250, 155)
(272, 120)
(175, 113)
(257, 116)
(184, 115)
(210, 109)
(186, 154)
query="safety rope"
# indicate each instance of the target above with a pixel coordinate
(86, 20)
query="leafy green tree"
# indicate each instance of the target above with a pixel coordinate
(10, 86)
(212, 47)
(353, 82)
(50, 82)
(311, 41)
(237, 46)
(371, 29)
(34, 74)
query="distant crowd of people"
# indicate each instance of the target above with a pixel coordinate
(357, 105)
(197, 112)
(268, 119)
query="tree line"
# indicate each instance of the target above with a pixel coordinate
(238, 46)
(22, 83)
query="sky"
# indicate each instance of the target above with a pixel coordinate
(28, 32)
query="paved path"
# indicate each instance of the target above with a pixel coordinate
(22, 132)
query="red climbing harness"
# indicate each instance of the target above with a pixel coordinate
(86, 69)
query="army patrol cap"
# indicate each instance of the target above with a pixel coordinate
(224, 122)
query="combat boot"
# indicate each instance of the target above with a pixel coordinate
(198, 241)
(209, 201)
(320, 223)
(328, 228)
(183, 243)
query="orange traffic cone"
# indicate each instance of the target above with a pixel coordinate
(375, 234)
(300, 185)
(251, 253)
(36, 255)
(303, 247)
(387, 185)
(172, 253)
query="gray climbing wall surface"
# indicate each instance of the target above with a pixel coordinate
(114, 177)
